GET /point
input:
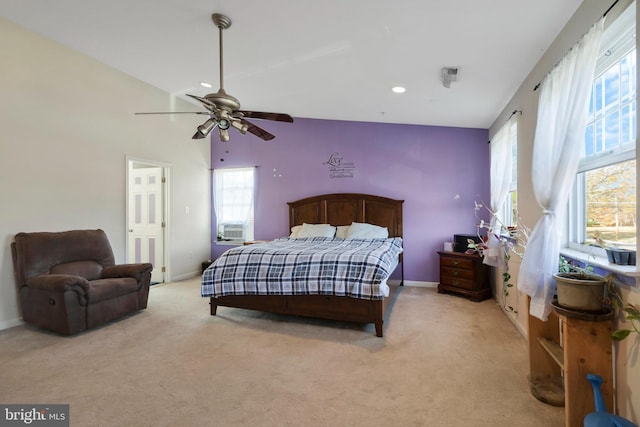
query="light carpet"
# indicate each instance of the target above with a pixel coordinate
(443, 361)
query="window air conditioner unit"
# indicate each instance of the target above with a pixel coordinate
(233, 232)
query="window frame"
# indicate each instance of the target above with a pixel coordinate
(249, 224)
(506, 214)
(511, 204)
(621, 43)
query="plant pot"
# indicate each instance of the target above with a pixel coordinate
(621, 256)
(610, 256)
(584, 293)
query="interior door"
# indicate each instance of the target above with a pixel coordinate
(146, 222)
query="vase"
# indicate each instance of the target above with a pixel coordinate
(584, 293)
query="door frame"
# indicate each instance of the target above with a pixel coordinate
(166, 169)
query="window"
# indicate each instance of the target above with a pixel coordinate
(233, 203)
(510, 207)
(604, 200)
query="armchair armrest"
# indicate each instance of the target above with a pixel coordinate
(57, 282)
(137, 271)
(60, 283)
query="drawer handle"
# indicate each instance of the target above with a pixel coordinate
(455, 262)
(455, 273)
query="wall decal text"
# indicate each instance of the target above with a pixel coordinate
(338, 168)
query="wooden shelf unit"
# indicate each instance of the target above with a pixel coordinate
(562, 351)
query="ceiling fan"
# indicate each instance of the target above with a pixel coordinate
(224, 110)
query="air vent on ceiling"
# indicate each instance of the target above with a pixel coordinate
(449, 75)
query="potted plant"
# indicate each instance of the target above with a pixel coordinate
(615, 254)
(610, 297)
(579, 289)
(621, 256)
(632, 313)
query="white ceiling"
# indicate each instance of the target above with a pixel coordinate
(328, 59)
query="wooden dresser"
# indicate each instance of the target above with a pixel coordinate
(464, 274)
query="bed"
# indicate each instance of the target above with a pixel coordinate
(362, 302)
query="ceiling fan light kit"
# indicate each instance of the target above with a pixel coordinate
(204, 129)
(224, 110)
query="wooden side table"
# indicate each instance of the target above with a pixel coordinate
(584, 347)
(464, 274)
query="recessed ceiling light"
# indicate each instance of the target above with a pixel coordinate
(205, 84)
(398, 89)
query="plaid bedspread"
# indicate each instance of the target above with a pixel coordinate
(321, 266)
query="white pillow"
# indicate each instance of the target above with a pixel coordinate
(359, 230)
(294, 231)
(316, 230)
(341, 231)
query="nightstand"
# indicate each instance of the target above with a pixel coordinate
(254, 242)
(206, 264)
(464, 274)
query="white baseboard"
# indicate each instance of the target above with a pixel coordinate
(10, 323)
(415, 283)
(514, 321)
(185, 276)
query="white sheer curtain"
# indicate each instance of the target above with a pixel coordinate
(562, 113)
(501, 176)
(233, 195)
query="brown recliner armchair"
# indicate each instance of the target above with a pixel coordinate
(68, 281)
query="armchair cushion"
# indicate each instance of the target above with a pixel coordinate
(88, 269)
(104, 289)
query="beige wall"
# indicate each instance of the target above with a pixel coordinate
(526, 100)
(66, 128)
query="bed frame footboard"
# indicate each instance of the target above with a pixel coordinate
(316, 306)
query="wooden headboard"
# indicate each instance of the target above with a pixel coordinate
(345, 208)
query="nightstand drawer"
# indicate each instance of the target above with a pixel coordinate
(456, 273)
(458, 282)
(465, 264)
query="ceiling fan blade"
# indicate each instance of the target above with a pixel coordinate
(278, 117)
(257, 131)
(210, 105)
(180, 112)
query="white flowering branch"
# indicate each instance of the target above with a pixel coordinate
(516, 237)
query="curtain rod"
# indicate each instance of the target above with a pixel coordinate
(514, 113)
(508, 118)
(604, 14)
(611, 7)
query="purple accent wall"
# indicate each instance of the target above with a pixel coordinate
(437, 171)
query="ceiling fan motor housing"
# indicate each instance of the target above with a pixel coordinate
(223, 100)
